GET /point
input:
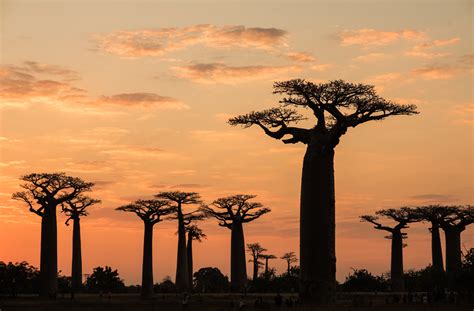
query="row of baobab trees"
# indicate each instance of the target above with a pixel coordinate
(453, 220)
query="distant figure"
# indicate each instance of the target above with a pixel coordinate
(185, 301)
(278, 300)
(242, 303)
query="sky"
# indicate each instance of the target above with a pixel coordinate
(135, 95)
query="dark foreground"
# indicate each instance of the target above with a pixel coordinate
(219, 302)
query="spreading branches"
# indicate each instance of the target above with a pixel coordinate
(255, 249)
(401, 216)
(47, 190)
(180, 197)
(150, 211)
(195, 233)
(456, 217)
(76, 207)
(234, 208)
(289, 258)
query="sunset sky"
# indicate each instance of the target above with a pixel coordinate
(134, 96)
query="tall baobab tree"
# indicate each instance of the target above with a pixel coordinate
(402, 217)
(179, 198)
(267, 257)
(255, 251)
(336, 106)
(289, 258)
(194, 233)
(74, 210)
(232, 212)
(43, 193)
(151, 212)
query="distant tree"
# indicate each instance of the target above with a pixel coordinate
(74, 209)
(336, 106)
(43, 193)
(18, 278)
(255, 251)
(289, 258)
(267, 257)
(210, 280)
(402, 217)
(151, 212)
(194, 234)
(105, 280)
(166, 286)
(232, 212)
(179, 198)
(361, 280)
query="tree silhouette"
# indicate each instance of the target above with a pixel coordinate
(150, 211)
(336, 106)
(104, 280)
(255, 251)
(232, 212)
(267, 257)
(180, 198)
(453, 225)
(289, 258)
(74, 209)
(43, 193)
(194, 233)
(402, 217)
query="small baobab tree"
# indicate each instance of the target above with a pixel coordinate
(74, 209)
(194, 234)
(336, 107)
(178, 199)
(289, 258)
(43, 193)
(402, 217)
(151, 212)
(267, 257)
(255, 251)
(232, 212)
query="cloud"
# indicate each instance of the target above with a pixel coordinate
(445, 71)
(425, 50)
(301, 57)
(371, 57)
(157, 42)
(464, 113)
(146, 100)
(367, 37)
(211, 73)
(433, 198)
(320, 67)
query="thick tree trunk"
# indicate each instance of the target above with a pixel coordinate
(288, 269)
(238, 269)
(317, 226)
(266, 267)
(255, 269)
(396, 269)
(76, 268)
(436, 252)
(453, 254)
(182, 284)
(189, 250)
(49, 254)
(147, 266)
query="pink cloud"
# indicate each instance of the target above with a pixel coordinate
(371, 37)
(425, 50)
(301, 57)
(146, 100)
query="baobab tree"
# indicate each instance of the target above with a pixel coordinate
(74, 209)
(179, 198)
(43, 193)
(267, 257)
(232, 212)
(289, 258)
(151, 212)
(255, 251)
(336, 106)
(194, 234)
(402, 217)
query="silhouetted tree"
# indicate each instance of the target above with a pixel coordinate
(166, 286)
(150, 211)
(104, 280)
(180, 198)
(18, 278)
(336, 106)
(255, 251)
(210, 280)
(289, 258)
(74, 209)
(232, 212)
(402, 217)
(43, 193)
(361, 280)
(267, 257)
(194, 233)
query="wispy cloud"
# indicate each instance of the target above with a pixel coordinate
(432, 198)
(301, 57)
(146, 100)
(157, 42)
(371, 57)
(367, 37)
(425, 50)
(444, 71)
(211, 73)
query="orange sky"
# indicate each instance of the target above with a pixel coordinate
(134, 96)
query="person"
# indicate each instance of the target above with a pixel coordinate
(185, 301)
(241, 303)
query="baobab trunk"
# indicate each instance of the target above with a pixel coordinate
(396, 267)
(288, 269)
(147, 267)
(49, 254)
(255, 270)
(182, 284)
(238, 269)
(317, 226)
(436, 252)
(189, 250)
(453, 255)
(76, 268)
